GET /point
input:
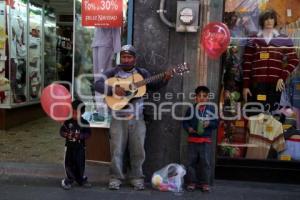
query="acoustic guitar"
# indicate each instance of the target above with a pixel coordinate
(135, 86)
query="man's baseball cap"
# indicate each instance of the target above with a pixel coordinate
(128, 48)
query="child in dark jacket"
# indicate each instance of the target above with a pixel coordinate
(199, 126)
(76, 130)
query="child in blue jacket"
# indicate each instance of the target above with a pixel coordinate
(201, 120)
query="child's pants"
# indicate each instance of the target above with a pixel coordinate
(75, 162)
(199, 163)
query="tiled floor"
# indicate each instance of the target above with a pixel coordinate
(35, 141)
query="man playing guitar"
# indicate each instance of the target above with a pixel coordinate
(127, 125)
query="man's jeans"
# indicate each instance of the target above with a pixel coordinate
(199, 163)
(131, 133)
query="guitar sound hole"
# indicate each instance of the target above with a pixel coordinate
(128, 93)
(132, 87)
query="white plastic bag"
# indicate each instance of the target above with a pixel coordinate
(169, 178)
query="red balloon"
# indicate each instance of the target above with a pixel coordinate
(215, 39)
(56, 102)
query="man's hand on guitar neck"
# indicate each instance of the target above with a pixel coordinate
(119, 91)
(168, 74)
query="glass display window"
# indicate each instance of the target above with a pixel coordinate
(84, 60)
(35, 61)
(259, 108)
(22, 25)
(18, 51)
(4, 79)
(50, 42)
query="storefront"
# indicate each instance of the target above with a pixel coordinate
(264, 147)
(159, 47)
(32, 55)
(28, 41)
(28, 24)
(238, 154)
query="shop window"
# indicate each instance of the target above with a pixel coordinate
(23, 27)
(17, 29)
(35, 51)
(50, 37)
(260, 115)
(84, 72)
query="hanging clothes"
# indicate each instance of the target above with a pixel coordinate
(265, 131)
(264, 59)
(106, 42)
(292, 147)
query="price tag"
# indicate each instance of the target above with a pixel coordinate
(286, 126)
(2, 45)
(239, 123)
(285, 157)
(298, 86)
(261, 97)
(269, 129)
(264, 55)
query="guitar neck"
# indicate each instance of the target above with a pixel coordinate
(150, 79)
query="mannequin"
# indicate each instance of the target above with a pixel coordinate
(268, 61)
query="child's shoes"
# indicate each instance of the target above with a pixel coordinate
(191, 187)
(65, 185)
(85, 183)
(205, 188)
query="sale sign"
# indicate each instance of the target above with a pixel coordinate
(102, 13)
(10, 3)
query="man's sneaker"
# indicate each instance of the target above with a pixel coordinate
(138, 184)
(65, 185)
(114, 184)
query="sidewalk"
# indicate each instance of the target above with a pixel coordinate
(37, 141)
(31, 159)
(43, 173)
(42, 181)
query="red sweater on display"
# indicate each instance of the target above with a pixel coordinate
(265, 62)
